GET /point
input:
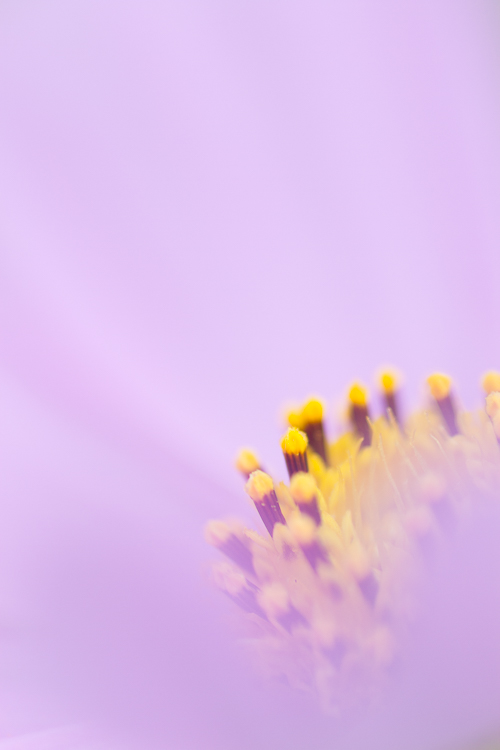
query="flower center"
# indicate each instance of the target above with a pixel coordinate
(327, 595)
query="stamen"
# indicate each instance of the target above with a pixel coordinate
(316, 467)
(304, 530)
(294, 417)
(493, 411)
(294, 446)
(305, 493)
(275, 601)
(247, 461)
(219, 535)
(338, 580)
(491, 382)
(260, 487)
(312, 417)
(360, 567)
(358, 396)
(236, 587)
(440, 388)
(389, 383)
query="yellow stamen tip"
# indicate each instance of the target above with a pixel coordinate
(294, 442)
(259, 485)
(389, 381)
(247, 461)
(294, 418)
(358, 395)
(491, 381)
(303, 487)
(312, 411)
(439, 385)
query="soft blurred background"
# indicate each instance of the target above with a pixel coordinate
(207, 209)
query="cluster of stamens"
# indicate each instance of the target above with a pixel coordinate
(329, 593)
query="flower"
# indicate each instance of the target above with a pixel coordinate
(331, 591)
(205, 210)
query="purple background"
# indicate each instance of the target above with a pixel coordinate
(208, 209)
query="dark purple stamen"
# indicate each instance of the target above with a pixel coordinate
(391, 402)
(359, 418)
(238, 552)
(311, 509)
(246, 599)
(296, 462)
(270, 511)
(314, 554)
(291, 618)
(316, 436)
(448, 413)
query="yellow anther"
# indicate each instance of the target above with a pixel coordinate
(358, 395)
(303, 488)
(439, 385)
(247, 461)
(312, 411)
(259, 485)
(294, 418)
(491, 381)
(294, 442)
(316, 466)
(389, 381)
